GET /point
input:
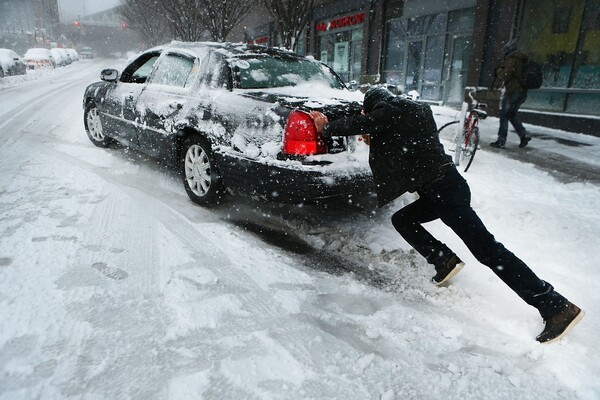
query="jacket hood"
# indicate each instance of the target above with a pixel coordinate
(374, 96)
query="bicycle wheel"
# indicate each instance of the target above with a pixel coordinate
(448, 124)
(469, 147)
(457, 148)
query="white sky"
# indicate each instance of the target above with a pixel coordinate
(72, 8)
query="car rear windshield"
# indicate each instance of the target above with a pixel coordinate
(268, 72)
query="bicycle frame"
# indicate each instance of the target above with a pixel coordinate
(469, 126)
(468, 138)
(460, 131)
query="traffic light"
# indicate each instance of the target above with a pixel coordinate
(123, 25)
(77, 24)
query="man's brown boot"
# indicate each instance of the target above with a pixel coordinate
(447, 270)
(560, 323)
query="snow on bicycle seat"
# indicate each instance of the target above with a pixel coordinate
(480, 113)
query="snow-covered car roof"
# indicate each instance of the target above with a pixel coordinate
(229, 50)
(38, 54)
(7, 55)
(238, 53)
(7, 52)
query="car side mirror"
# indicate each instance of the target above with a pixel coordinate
(109, 75)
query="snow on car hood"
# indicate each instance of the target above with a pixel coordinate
(37, 54)
(309, 94)
(5, 57)
(260, 135)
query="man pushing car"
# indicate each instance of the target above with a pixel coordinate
(405, 155)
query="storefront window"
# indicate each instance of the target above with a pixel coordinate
(564, 35)
(430, 53)
(395, 50)
(427, 25)
(340, 45)
(587, 72)
(461, 20)
(432, 71)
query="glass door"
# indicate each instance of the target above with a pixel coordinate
(457, 67)
(414, 65)
(356, 60)
(432, 68)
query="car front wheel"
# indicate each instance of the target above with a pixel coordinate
(93, 126)
(201, 177)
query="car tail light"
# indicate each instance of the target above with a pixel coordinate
(301, 136)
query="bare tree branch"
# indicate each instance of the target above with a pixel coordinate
(186, 20)
(183, 19)
(221, 16)
(291, 18)
(143, 17)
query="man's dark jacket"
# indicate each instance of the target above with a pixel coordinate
(405, 151)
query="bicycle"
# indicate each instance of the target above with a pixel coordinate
(468, 142)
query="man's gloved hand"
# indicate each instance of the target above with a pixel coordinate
(320, 120)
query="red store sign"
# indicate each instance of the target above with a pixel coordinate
(260, 40)
(343, 22)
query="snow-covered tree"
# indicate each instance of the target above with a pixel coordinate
(219, 17)
(144, 17)
(291, 18)
(183, 18)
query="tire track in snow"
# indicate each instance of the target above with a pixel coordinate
(35, 112)
(290, 331)
(37, 92)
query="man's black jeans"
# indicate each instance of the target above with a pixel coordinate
(449, 198)
(511, 101)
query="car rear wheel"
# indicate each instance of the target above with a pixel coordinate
(201, 177)
(93, 126)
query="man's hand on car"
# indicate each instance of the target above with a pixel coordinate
(320, 120)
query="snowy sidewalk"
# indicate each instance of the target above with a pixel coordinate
(569, 157)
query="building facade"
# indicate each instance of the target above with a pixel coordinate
(438, 47)
(28, 23)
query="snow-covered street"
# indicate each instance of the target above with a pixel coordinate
(114, 285)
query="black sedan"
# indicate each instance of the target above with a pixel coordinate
(11, 63)
(234, 118)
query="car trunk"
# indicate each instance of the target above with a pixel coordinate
(332, 108)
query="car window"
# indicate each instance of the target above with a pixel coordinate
(267, 72)
(141, 74)
(173, 70)
(139, 70)
(216, 72)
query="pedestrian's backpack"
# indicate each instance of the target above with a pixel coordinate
(532, 74)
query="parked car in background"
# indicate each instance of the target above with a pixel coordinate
(86, 53)
(60, 57)
(39, 58)
(11, 63)
(66, 55)
(233, 117)
(73, 54)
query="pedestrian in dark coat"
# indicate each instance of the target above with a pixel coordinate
(406, 155)
(510, 74)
